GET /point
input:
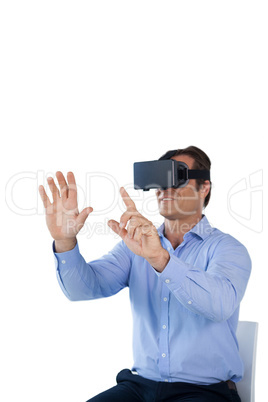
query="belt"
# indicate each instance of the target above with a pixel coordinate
(231, 385)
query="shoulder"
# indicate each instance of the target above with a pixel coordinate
(220, 237)
(224, 243)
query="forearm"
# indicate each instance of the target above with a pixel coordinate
(74, 274)
(213, 294)
(104, 277)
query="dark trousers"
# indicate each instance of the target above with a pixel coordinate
(134, 388)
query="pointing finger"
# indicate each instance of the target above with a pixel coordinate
(129, 203)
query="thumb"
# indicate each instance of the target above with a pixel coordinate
(83, 216)
(115, 227)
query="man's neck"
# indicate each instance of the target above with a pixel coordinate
(176, 229)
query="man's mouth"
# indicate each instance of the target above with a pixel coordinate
(166, 199)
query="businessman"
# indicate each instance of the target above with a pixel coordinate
(186, 281)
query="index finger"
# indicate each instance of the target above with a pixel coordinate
(129, 203)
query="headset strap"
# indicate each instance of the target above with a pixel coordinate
(192, 173)
(198, 174)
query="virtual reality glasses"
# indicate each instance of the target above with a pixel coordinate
(165, 173)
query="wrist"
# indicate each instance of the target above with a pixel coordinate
(64, 245)
(159, 263)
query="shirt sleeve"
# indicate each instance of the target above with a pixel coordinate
(217, 291)
(103, 277)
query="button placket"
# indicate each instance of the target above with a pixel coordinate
(164, 334)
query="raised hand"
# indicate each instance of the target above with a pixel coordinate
(139, 234)
(62, 216)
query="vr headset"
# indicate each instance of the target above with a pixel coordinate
(165, 173)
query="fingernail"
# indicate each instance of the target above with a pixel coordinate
(121, 225)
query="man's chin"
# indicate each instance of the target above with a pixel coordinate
(172, 216)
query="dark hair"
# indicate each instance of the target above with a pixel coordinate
(201, 161)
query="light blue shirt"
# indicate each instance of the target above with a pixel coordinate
(185, 318)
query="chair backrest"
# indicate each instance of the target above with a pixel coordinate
(247, 333)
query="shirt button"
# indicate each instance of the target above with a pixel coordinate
(63, 261)
(164, 326)
(166, 380)
(167, 280)
(189, 302)
(165, 299)
(163, 355)
(168, 249)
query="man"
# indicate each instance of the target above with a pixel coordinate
(186, 281)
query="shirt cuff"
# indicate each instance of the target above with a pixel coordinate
(67, 258)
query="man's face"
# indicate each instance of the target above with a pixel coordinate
(179, 203)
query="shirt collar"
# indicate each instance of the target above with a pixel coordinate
(202, 229)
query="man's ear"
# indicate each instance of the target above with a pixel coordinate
(205, 187)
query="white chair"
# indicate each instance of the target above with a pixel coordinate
(247, 333)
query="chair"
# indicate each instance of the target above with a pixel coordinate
(247, 333)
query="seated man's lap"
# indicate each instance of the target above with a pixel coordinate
(134, 388)
(119, 393)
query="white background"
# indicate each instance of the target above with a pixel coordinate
(92, 86)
